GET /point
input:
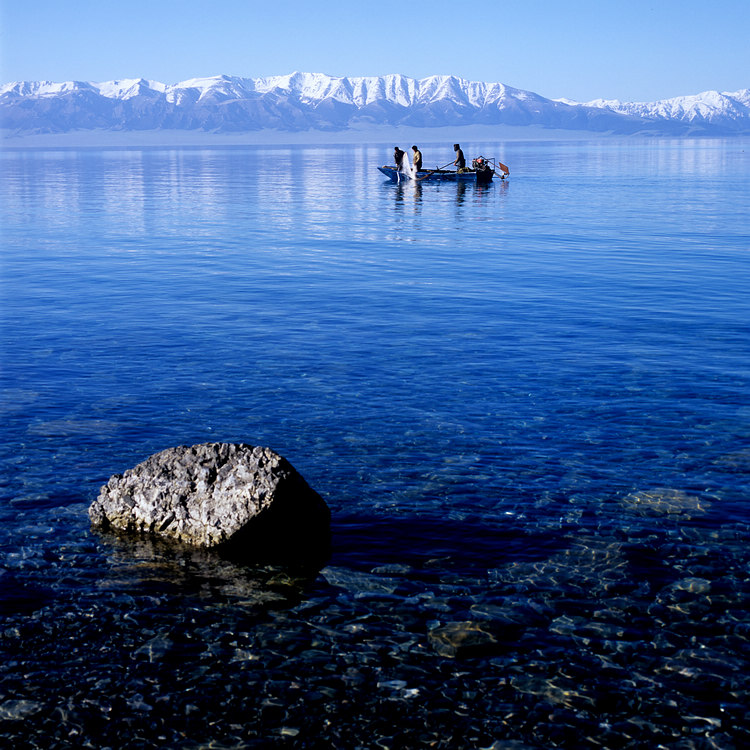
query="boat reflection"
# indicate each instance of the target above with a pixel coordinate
(409, 192)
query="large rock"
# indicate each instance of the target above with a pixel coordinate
(245, 500)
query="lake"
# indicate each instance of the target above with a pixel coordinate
(527, 405)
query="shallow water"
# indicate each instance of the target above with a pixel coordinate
(526, 404)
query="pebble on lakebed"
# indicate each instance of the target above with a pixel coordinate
(243, 500)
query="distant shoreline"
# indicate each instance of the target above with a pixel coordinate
(374, 135)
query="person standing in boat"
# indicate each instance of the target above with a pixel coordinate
(398, 157)
(460, 160)
(417, 158)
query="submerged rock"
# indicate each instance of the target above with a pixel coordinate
(666, 501)
(461, 639)
(244, 500)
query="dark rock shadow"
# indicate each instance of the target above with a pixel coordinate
(466, 547)
(294, 531)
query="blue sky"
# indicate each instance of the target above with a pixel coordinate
(636, 50)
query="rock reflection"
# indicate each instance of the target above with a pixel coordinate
(145, 565)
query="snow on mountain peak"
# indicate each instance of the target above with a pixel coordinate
(128, 88)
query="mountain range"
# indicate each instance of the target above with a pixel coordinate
(318, 102)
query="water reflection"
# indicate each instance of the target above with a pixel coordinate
(408, 193)
(191, 195)
(414, 194)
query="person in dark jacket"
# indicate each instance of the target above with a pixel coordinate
(398, 157)
(460, 160)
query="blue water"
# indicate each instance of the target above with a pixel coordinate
(525, 403)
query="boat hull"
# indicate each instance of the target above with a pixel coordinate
(439, 175)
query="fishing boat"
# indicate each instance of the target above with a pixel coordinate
(482, 171)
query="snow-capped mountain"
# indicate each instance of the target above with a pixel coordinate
(311, 101)
(722, 109)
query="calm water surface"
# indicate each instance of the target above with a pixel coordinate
(527, 405)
